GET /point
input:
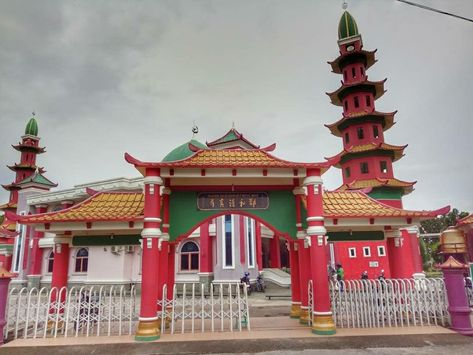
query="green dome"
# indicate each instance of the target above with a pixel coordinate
(347, 26)
(183, 151)
(32, 127)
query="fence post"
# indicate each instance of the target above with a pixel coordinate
(458, 305)
(5, 278)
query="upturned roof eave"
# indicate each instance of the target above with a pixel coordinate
(370, 59)
(388, 117)
(378, 85)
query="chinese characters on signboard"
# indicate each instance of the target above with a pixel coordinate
(232, 200)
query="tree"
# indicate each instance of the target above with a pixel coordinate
(430, 246)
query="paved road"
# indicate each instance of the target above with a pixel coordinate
(353, 345)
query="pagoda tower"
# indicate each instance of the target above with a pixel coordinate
(27, 175)
(366, 160)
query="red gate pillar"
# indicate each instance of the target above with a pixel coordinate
(148, 326)
(295, 280)
(322, 316)
(34, 274)
(60, 272)
(275, 252)
(206, 256)
(304, 275)
(401, 263)
(259, 247)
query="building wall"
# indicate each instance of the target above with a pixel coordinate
(354, 266)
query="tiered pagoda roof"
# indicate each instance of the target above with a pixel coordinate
(396, 152)
(387, 120)
(407, 187)
(375, 87)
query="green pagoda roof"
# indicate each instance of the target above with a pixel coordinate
(32, 127)
(183, 151)
(37, 178)
(347, 26)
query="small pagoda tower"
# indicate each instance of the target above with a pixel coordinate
(366, 160)
(27, 174)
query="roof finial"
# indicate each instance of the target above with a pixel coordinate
(344, 5)
(195, 129)
(233, 124)
(33, 113)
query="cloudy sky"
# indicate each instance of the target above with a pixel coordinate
(108, 77)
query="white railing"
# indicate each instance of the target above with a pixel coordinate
(87, 311)
(388, 303)
(191, 309)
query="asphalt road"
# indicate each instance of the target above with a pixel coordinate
(392, 344)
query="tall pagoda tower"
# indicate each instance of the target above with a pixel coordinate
(366, 160)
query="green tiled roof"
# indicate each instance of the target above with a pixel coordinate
(347, 26)
(37, 178)
(32, 127)
(183, 151)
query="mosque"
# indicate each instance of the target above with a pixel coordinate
(210, 212)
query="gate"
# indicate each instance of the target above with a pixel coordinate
(389, 303)
(89, 311)
(191, 309)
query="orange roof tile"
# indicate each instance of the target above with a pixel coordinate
(113, 206)
(229, 158)
(103, 206)
(466, 220)
(354, 204)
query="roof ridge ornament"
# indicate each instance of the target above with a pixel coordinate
(344, 5)
(195, 129)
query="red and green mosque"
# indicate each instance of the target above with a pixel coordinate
(210, 212)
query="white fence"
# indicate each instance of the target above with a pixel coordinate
(388, 303)
(191, 309)
(41, 313)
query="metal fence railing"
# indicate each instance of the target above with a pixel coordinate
(389, 303)
(224, 307)
(88, 311)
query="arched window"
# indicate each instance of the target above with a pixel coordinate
(50, 261)
(189, 257)
(82, 260)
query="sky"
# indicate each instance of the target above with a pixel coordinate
(109, 77)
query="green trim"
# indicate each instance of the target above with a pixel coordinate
(146, 338)
(368, 118)
(183, 151)
(32, 127)
(324, 332)
(94, 240)
(355, 236)
(6, 247)
(37, 178)
(387, 193)
(184, 215)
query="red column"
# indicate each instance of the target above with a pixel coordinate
(36, 251)
(322, 316)
(259, 247)
(206, 257)
(275, 252)
(60, 269)
(402, 248)
(162, 274)
(148, 326)
(295, 280)
(171, 269)
(304, 276)
(242, 241)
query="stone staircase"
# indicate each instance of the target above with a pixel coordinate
(276, 277)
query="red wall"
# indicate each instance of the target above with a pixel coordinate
(355, 266)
